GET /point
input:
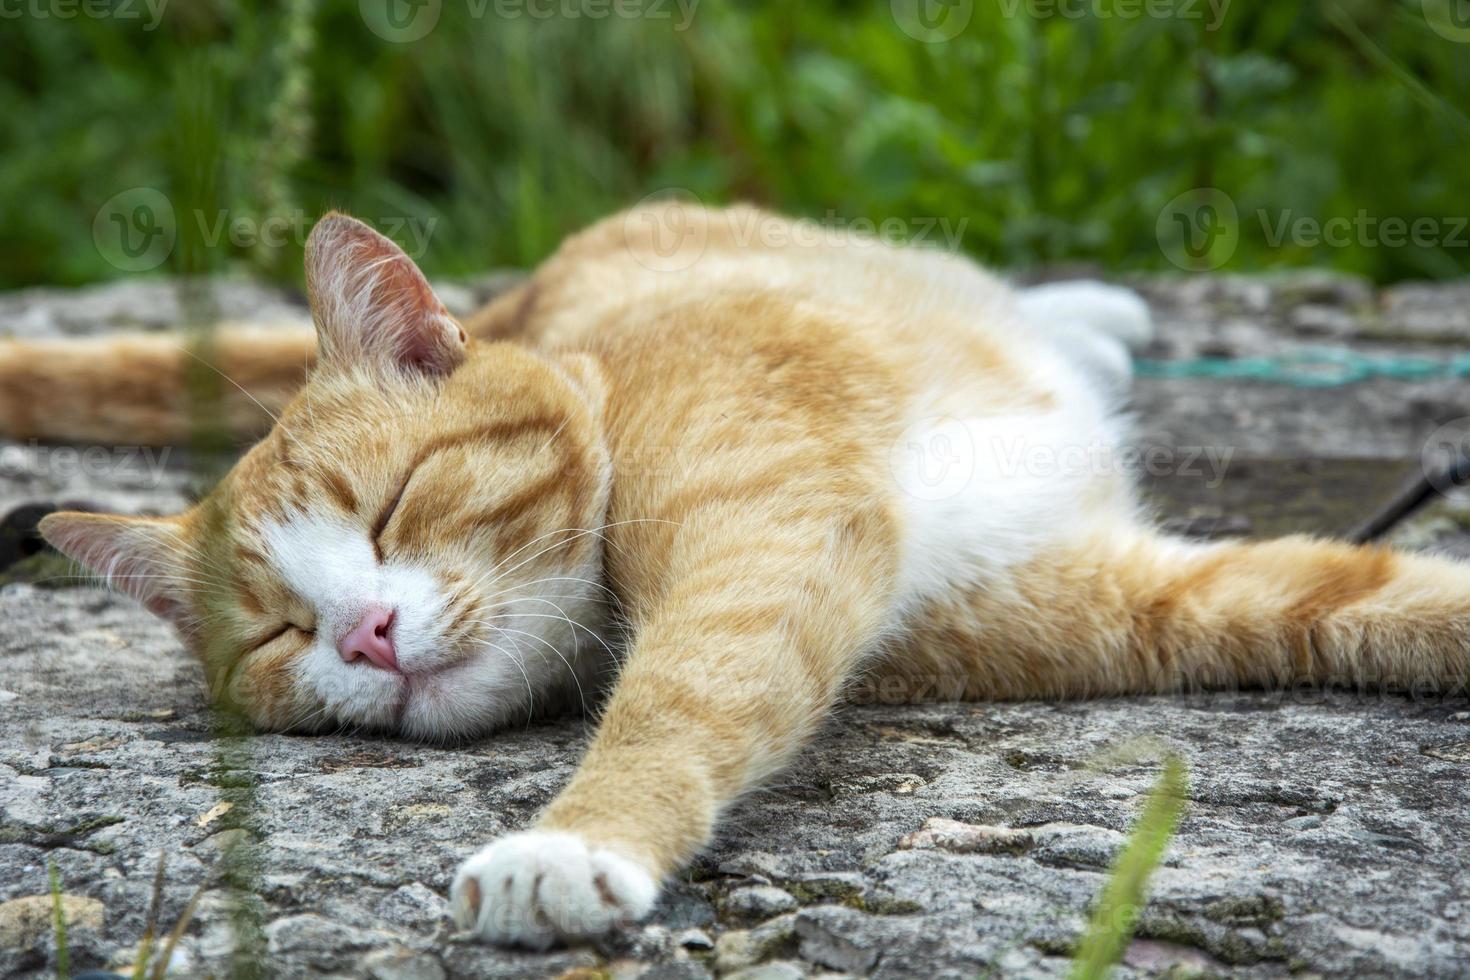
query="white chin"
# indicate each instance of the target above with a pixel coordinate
(462, 702)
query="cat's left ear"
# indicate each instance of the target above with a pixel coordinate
(372, 306)
(137, 555)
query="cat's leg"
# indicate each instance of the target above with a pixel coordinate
(1112, 311)
(1096, 325)
(1134, 612)
(763, 614)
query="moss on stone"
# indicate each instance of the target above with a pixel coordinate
(45, 569)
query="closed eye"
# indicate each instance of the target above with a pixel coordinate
(386, 514)
(273, 637)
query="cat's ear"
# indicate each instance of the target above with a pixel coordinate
(136, 555)
(372, 306)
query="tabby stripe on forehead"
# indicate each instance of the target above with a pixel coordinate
(339, 491)
(499, 432)
(515, 505)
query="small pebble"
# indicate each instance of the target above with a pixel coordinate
(1303, 823)
(777, 970)
(758, 902)
(694, 939)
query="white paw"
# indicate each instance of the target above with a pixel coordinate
(1111, 310)
(533, 888)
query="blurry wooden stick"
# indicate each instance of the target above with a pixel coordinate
(1409, 500)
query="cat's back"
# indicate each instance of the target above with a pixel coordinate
(741, 347)
(672, 253)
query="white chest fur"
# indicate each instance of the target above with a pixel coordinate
(983, 492)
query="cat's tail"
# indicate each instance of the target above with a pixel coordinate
(1139, 613)
(147, 389)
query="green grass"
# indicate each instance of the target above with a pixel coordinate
(1126, 891)
(1056, 138)
(146, 946)
(58, 912)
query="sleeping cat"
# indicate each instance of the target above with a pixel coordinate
(726, 476)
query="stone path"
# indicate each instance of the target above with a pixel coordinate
(1326, 835)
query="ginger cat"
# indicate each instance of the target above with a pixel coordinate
(735, 476)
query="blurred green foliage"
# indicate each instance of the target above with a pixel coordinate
(1058, 130)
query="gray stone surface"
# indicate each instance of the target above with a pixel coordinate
(1326, 832)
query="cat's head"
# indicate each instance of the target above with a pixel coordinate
(409, 547)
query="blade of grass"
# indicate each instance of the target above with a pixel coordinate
(63, 960)
(160, 969)
(145, 946)
(290, 128)
(1391, 67)
(1116, 913)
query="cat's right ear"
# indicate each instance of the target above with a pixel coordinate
(136, 555)
(372, 306)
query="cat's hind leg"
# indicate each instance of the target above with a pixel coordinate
(1095, 325)
(1112, 311)
(1132, 612)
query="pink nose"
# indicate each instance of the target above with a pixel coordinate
(371, 639)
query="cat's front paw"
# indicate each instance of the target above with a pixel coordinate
(534, 888)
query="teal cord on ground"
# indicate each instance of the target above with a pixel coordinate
(1308, 368)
